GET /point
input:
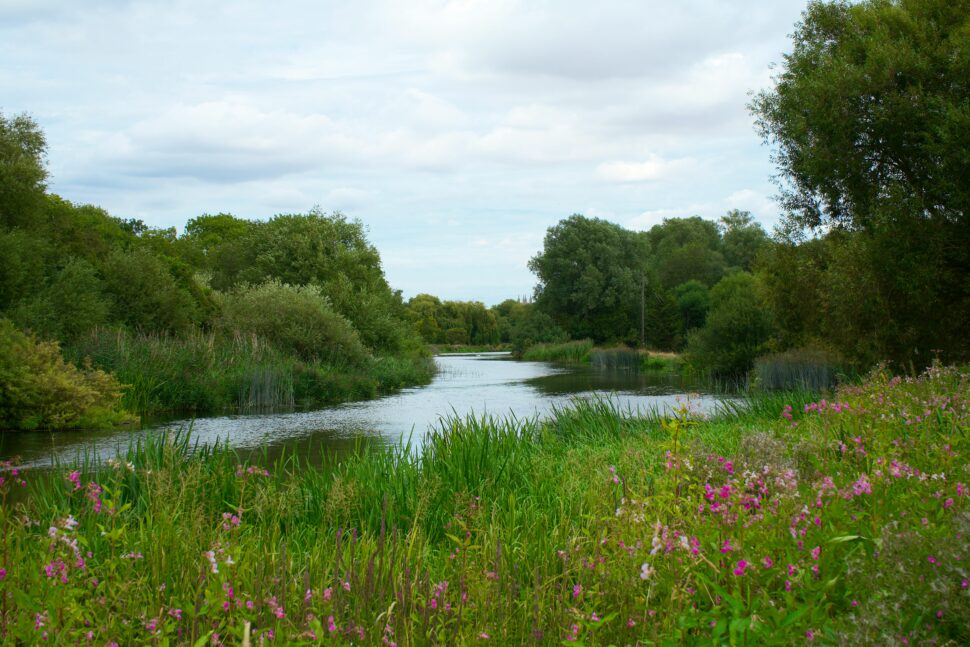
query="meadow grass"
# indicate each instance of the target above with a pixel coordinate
(207, 372)
(786, 519)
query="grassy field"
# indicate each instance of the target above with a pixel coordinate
(787, 519)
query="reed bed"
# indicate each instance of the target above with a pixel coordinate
(787, 519)
(573, 351)
(208, 372)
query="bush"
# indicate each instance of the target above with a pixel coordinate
(737, 329)
(146, 295)
(296, 319)
(39, 390)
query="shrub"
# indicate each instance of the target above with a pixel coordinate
(737, 330)
(297, 319)
(38, 389)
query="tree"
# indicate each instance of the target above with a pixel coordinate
(589, 274)
(741, 239)
(23, 174)
(693, 301)
(738, 328)
(685, 249)
(870, 122)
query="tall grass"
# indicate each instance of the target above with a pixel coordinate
(207, 372)
(571, 351)
(615, 359)
(810, 369)
(598, 526)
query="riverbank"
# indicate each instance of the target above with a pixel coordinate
(789, 520)
(208, 373)
(616, 358)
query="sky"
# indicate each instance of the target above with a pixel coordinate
(457, 131)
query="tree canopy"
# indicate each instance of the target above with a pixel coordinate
(870, 122)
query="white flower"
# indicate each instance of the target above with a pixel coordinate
(645, 571)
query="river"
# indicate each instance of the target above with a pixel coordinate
(485, 383)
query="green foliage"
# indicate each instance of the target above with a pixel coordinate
(686, 249)
(23, 259)
(453, 322)
(590, 272)
(70, 306)
(295, 319)
(663, 321)
(39, 390)
(737, 330)
(23, 149)
(871, 124)
(693, 301)
(742, 239)
(145, 294)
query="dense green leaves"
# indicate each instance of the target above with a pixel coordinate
(870, 121)
(590, 273)
(737, 330)
(22, 172)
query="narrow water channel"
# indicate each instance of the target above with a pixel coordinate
(488, 383)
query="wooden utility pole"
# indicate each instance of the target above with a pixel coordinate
(643, 308)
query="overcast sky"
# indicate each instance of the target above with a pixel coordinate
(457, 131)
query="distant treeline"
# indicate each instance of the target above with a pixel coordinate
(232, 313)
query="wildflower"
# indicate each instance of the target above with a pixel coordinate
(810, 634)
(726, 546)
(631, 623)
(327, 593)
(484, 636)
(175, 613)
(577, 591)
(816, 552)
(594, 617)
(742, 565)
(948, 503)
(75, 478)
(646, 571)
(331, 625)
(279, 613)
(768, 562)
(3, 574)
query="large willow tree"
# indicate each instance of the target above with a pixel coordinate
(870, 123)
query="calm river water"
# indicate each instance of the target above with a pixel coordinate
(488, 383)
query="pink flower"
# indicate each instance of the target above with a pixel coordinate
(742, 565)
(768, 562)
(484, 636)
(331, 625)
(726, 546)
(577, 591)
(816, 552)
(810, 634)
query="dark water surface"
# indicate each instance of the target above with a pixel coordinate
(487, 383)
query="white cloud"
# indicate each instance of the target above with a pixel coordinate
(654, 168)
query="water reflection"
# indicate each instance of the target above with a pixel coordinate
(483, 383)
